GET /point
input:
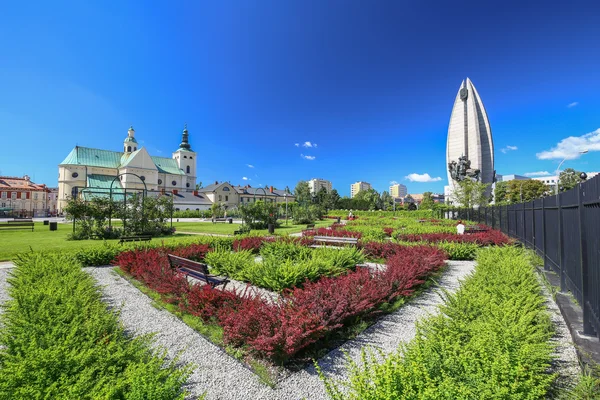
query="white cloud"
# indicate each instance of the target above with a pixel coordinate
(309, 144)
(573, 104)
(571, 147)
(508, 148)
(250, 165)
(297, 144)
(393, 183)
(422, 178)
(246, 178)
(307, 157)
(538, 173)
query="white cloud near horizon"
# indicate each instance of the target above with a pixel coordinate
(309, 144)
(537, 173)
(392, 183)
(250, 165)
(307, 157)
(508, 148)
(570, 148)
(573, 104)
(422, 178)
(297, 144)
(245, 178)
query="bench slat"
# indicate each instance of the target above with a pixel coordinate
(196, 270)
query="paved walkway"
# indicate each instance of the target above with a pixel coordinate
(6, 265)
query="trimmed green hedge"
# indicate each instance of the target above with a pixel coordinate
(60, 341)
(489, 341)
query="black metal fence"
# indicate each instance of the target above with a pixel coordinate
(564, 230)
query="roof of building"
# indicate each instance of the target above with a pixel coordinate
(19, 183)
(116, 159)
(190, 198)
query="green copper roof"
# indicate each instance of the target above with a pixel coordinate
(99, 186)
(102, 181)
(130, 139)
(167, 165)
(127, 157)
(93, 157)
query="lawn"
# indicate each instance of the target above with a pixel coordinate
(227, 229)
(13, 242)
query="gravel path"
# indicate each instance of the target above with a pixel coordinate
(222, 377)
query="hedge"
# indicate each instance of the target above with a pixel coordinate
(59, 341)
(489, 341)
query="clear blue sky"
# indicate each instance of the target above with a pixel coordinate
(372, 83)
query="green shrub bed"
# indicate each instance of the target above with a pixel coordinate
(489, 341)
(59, 341)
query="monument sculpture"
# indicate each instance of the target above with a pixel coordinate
(470, 148)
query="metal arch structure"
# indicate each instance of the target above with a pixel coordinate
(125, 195)
(264, 193)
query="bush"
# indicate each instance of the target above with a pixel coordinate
(491, 237)
(232, 264)
(490, 340)
(59, 341)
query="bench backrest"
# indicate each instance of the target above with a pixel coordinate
(176, 261)
(29, 224)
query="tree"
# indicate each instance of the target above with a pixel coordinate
(367, 200)
(387, 201)
(427, 203)
(468, 193)
(321, 197)
(198, 185)
(216, 210)
(525, 190)
(501, 192)
(345, 203)
(569, 178)
(302, 193)
(333, 200)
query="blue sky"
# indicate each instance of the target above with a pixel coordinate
(371, 83)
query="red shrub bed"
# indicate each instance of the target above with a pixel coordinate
(380, 249)
(388, 231)
(252, 243)
(301, 316)
(331, 232)
(195, 252)
(489, 237)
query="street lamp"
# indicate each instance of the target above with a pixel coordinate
(559, 165)
(285, 197)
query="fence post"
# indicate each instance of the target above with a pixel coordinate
(563, 278)
(546, 267)
(588, 328)
(533, 225)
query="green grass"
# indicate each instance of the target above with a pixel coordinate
(227, 229)
(13, 242)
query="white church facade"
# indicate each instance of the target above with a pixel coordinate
(88, 169)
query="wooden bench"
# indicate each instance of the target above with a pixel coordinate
(124, 239)
(239, 232)
(336, 240)
(17, 225)
(19, 220)
(215, 220)
(196, 270)
(310, 226)
(475, 229)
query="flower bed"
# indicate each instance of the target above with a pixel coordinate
(332, 232)
(277, 330)
(487, 238)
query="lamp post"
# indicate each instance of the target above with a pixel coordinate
(559, 165)
(286, 209)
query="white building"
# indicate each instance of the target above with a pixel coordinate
(316, 184)
(358, 186)
(88, 170)
(398, 190)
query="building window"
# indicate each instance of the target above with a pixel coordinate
(190, 157)
(226, 198)
(220, 197)
(135, 149)
(129, 149)
(13, 195)
(226, 189)
(74, 174)
(160, 181)
(4, 195)
(35, 196)
(174, 183)
(3, 205)
(187, 184)
(187, 169)
(184, 156)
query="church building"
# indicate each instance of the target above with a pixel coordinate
(87, 170)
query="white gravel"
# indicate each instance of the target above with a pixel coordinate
(222, 377)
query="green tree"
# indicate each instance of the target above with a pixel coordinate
(302, 193)
(367, 200)
(427, 203)
(333, 200)
(501, 192)
(468, 193)
(569, 178)
(525, 190)
(198, 185)
(216, 210)
(321, 197)
(345, 203)
(387, 201)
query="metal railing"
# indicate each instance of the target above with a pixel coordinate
(564, 230)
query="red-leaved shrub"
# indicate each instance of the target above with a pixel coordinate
(252, 243)
(388, 231)
(331, 232)
(489, 237)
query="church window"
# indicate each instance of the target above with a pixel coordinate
(128, 149)
(187, 184)
(187, 169)
(174, 183)
(190, 157)
(160, 181)
(74, 174)
(135, 149)
(184, 156)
